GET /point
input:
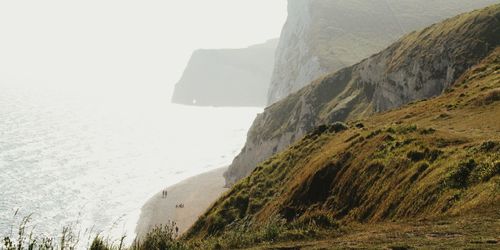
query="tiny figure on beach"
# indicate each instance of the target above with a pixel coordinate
(179, 205)
(164, 194)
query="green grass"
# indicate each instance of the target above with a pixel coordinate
(346, 94)
(426, 175)
(162, 237)
(393, 166)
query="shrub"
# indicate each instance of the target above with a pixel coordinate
(319, 130)
(427, 131)
(273, 228)
(391, 130)
(484, 172)
(27, 240)
(163, 237)
(460, 176)
(451, 106)
(489, 98)
(428, 154)
(216, 223)
(443, 116)
(373, 134)
(237, 237)
(401, 247)
(255, 205)
(415, 156)
(318, 219)
(422, 167)
(241, 203)
(375, 167)
(407, 129)
(488, 146)
(434, 154)
(492, 96)
(360, 125)
(338, 127)
(99, 244)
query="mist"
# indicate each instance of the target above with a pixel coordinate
(87, 129)
(115, 48)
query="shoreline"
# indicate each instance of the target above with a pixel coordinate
(196, 193)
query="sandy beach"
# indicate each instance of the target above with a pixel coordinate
(196, 193)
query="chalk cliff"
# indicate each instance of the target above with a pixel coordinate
(418, 66)
(227, 77)
(322, 36)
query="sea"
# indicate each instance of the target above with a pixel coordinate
(90, 160)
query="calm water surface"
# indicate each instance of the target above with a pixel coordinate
(92, 161)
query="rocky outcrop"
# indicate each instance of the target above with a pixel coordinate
(227, 77)
(420, 65)
(322, 36)
(401, 165)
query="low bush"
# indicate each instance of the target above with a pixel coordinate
(318, 220)
(360, 125)
(488, 98)
(338, 127)
(273, 228)
(489, 146)
(427, 131)
(406, 129)
(99, 244)
(484, 172)
(459, 178)
(415, 156)
(163, 237)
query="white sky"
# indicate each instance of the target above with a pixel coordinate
(123, 45)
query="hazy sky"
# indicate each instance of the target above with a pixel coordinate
(103, 44)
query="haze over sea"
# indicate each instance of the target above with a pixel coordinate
(92, 159)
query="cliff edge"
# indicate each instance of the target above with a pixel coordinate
(420, 65)
(227, 77)
(322, 36)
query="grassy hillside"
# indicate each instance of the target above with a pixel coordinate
(420, 65)
(424, 175)
(458, 43)
(323, 36)
(433, 160)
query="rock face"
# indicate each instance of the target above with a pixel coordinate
(227, 77)
(322, 36)
(420, 65)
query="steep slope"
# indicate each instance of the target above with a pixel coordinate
(430, 162)
(322, 36)
(227, 77)
(420, 65)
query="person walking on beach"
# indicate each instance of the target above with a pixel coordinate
(164, 194)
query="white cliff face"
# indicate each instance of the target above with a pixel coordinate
(420, 65)
(323, 36)
(295, 63)
(227, 77)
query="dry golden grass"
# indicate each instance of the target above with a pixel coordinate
(470, 232)
(431, 160)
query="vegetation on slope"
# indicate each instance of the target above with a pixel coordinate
(425, 174)
(420, 65)
(431, 159)
(323, 36)
(24, 238)
(458, 43)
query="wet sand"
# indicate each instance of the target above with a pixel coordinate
(196, 193)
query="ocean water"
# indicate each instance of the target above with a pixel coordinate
(91, 161)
